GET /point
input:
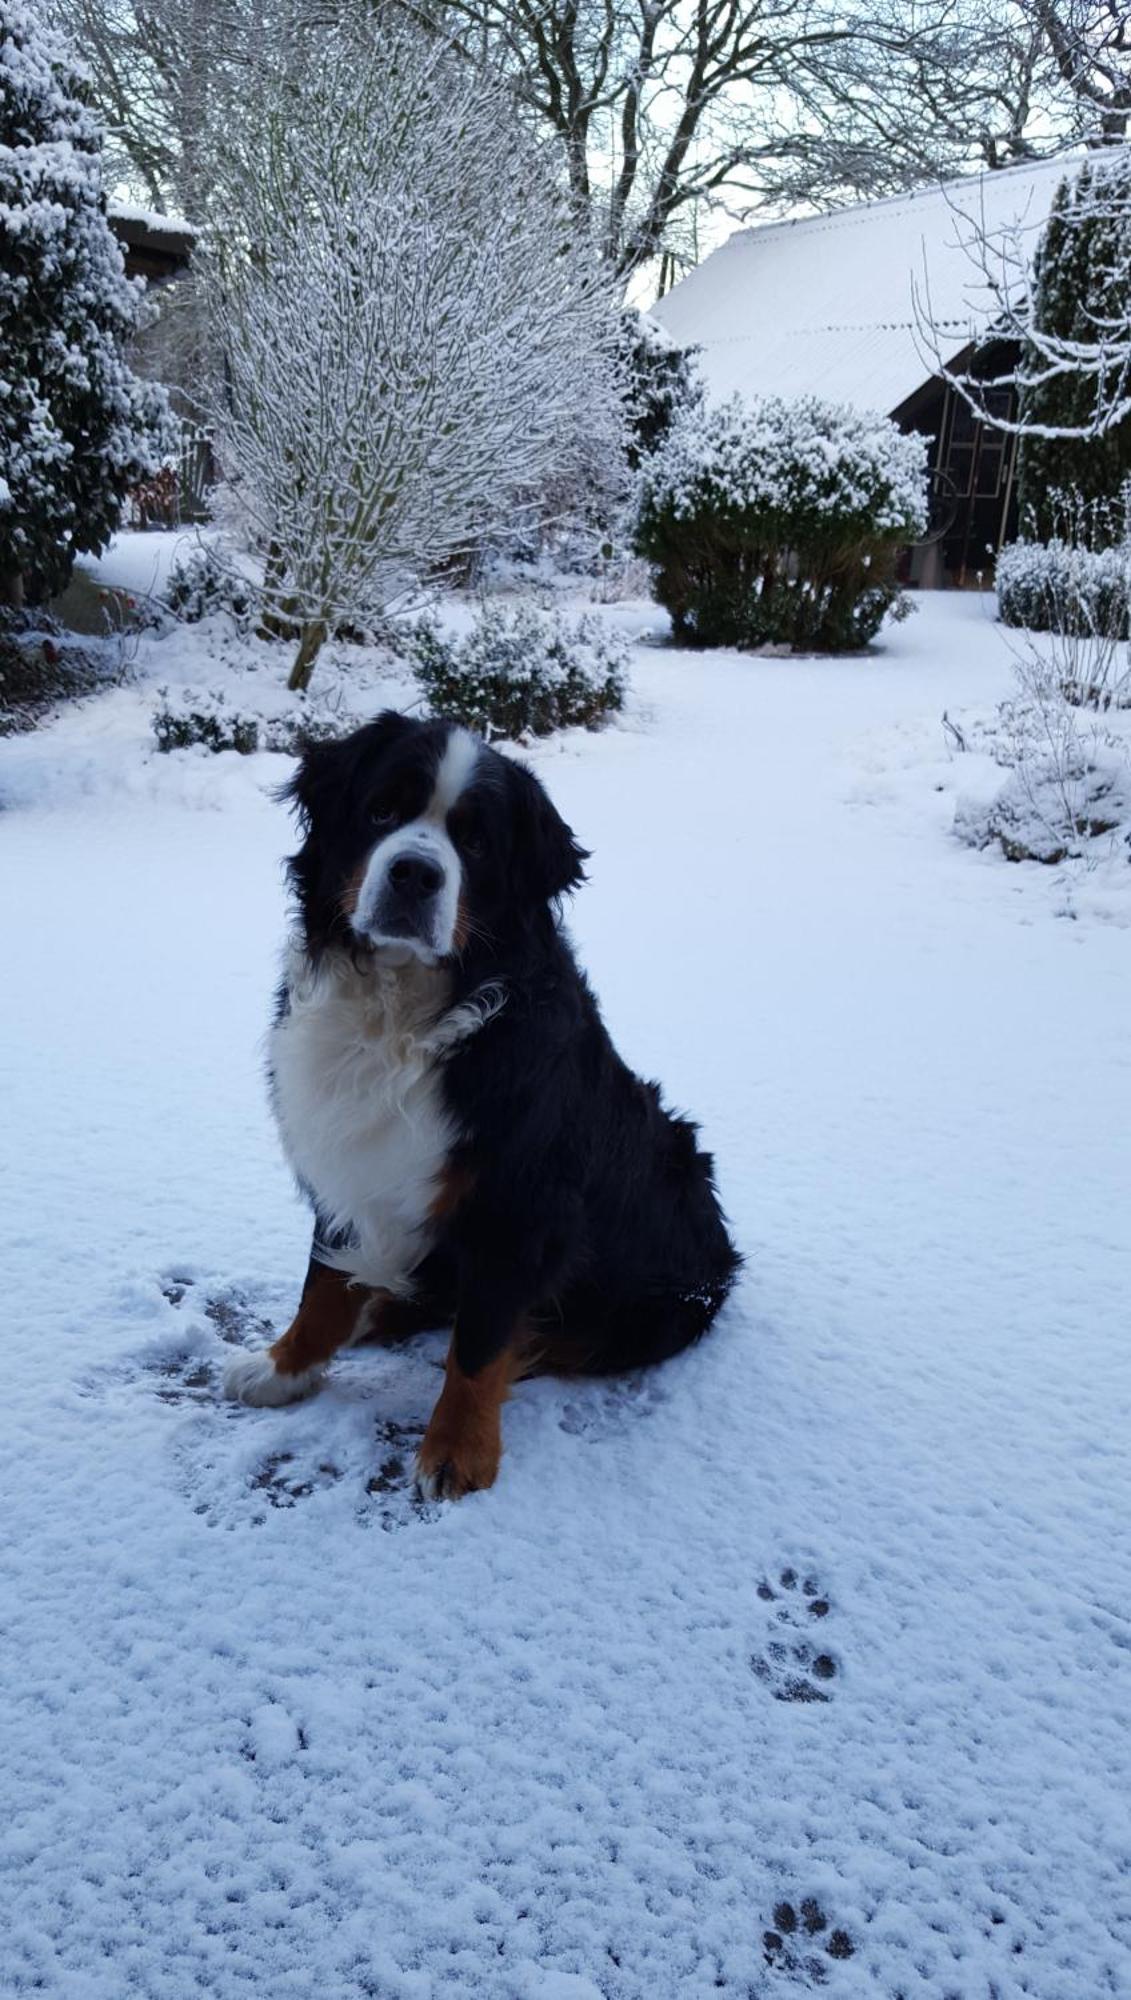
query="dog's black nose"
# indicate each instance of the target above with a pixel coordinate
(415, 878)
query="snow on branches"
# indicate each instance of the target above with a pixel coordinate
(1089, 352)
(414, 340)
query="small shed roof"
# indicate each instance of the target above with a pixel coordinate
(826, 305)
(156, 247)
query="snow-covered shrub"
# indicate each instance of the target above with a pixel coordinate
(663, 383)
(779, 522)
(522, 671)
(1080, 598)
(1059, 587)
(201, 583)
(42, 664)
(1068, 782)
(196, 716)
(1052, 807)
(77, 428)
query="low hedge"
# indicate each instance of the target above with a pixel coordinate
(1060, 587)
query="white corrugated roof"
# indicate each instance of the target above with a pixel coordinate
(826, 305)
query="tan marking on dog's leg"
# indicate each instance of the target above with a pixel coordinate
(464, 1440)
(328, 1318)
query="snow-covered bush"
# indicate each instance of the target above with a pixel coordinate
(1058, 587)
(77, 429)
(1080, 598)
(522, 671)
(1066, 788)
(201, 583)
(188, 717)
(416, 341)
(1068, 782)
(779, 522)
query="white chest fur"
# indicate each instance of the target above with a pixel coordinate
(359, 1103)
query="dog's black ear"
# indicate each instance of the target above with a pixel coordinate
(549, 856)
(326, 769)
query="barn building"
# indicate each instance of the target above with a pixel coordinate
(832, 306)
(154, 247)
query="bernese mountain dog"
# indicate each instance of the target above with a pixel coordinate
(474, 1151)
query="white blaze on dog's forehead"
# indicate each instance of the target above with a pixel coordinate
(425, 836)
(461, 754)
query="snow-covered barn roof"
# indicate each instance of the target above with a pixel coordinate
(826, 305)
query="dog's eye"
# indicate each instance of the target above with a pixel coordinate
(473, 844)
(382, 814)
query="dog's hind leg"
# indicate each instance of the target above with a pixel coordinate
(333, 1312)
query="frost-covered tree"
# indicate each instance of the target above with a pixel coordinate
(77, 428)
(416, 340)
(1080, 301)
(1088, 46)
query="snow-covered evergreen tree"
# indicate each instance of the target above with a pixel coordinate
(663, 381)
(77, 428)
(1081, 294)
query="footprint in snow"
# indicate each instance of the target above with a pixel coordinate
(392, 1496)
(236, 1466)
(803, 1940)
(600, 1409)
(795, 1663)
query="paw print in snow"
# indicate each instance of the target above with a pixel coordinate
(393, 1495)
(282, 1482)
(792, 1665)
(802, 1940)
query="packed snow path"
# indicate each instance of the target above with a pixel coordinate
(804, 1661)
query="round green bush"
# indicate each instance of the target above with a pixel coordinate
(779, 523)
(521, 671)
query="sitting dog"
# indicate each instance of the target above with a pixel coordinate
(474, 1150)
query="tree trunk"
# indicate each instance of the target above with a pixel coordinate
(12, 590)
(311, 641)
(274, 622)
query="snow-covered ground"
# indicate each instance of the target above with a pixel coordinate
(271, 1727)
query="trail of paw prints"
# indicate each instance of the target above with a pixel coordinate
(795, 1663)
(597, 1410)
(803, 1940)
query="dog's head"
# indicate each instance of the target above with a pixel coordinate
(419, 838)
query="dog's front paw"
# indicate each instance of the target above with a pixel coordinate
(254, 1378)
(446, 1468)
